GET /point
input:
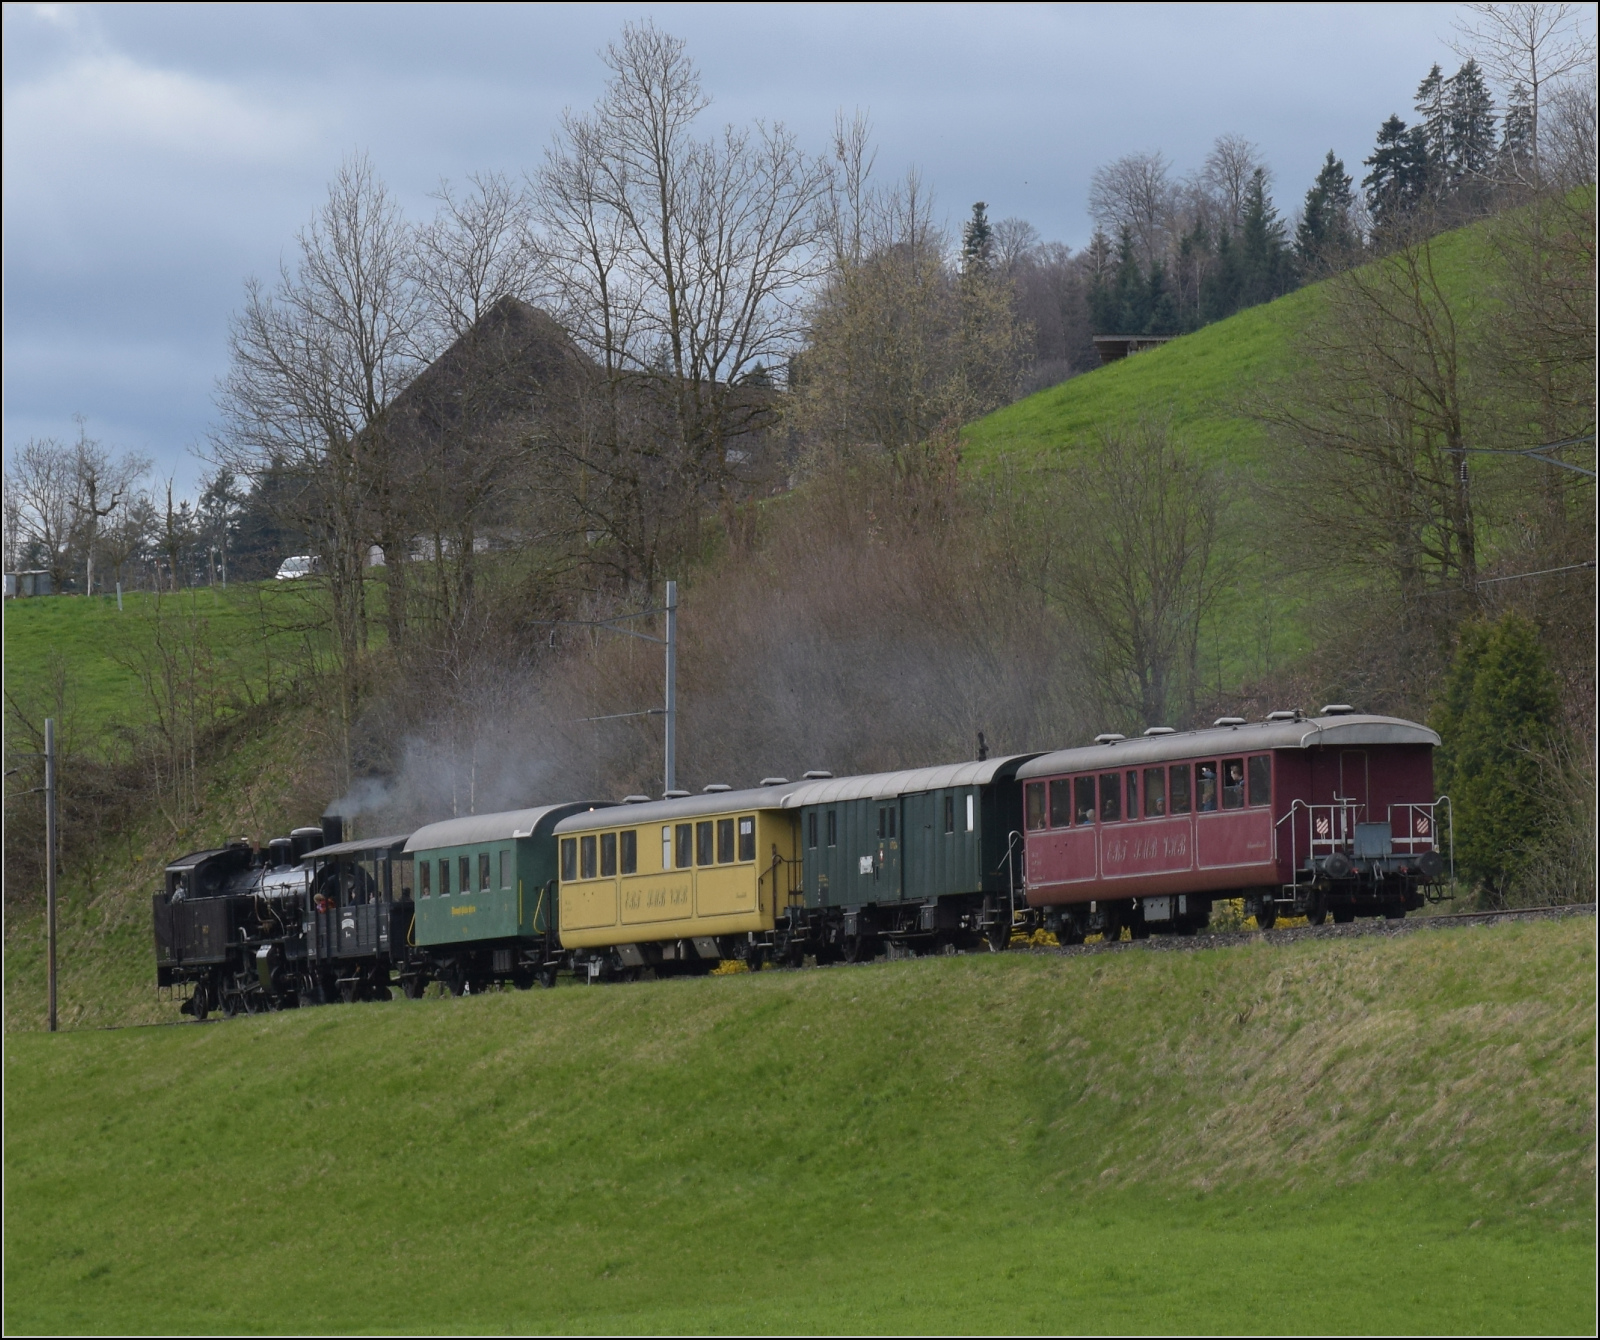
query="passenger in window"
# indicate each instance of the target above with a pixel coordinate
(1083, 799)
(1233, 784)
(1110, 797)
(1155, 792)
(1207, 773)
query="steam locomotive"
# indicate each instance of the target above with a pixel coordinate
(1326, 816)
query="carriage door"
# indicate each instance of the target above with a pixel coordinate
(1353, 781)
(886, 875)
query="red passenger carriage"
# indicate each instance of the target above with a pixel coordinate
(1333, 815)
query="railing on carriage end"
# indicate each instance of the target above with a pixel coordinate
(794, 895)
(1333, 828)
(1421, 830)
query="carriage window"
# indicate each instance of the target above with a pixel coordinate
(666, 846)
(724, 841)
(1206, 788)
(630, 851)
(949, 814)
(1110, 797)
(505, 869)
(1155, 792)
(586, 861)
(608, 854)
(747, 836)
(1035, 795)
(405, 877)
(1261, 779)
(683, 836)
(1232, 783)
(894, 814)
(1133, 795)
(425, 869)
(811, 829)
(464, 885)
(1060, 804)
(1179, 775)
(1083, 799)
(703, 838)
(833, 828)
(970, 815)
(444, 876)
(483, 872)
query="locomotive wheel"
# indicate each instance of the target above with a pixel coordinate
(200, 1001)
(1394, 912)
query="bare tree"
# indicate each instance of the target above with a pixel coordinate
(101, 487)
(1226, 176)
(316, 361)
(1135, 193)
(43, 483)
(1127, 544)
(1535, 45)
(687, 261)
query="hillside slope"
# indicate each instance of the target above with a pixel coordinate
(1198, 382)
(1351, 1135)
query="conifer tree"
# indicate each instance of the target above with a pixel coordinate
(977, 239)
(1512, 161)
(1433, 125)
(1496, 714)
(1399, 175)
(1471, 125)
(1263, 250)
(1219, 292)
(1325, 236)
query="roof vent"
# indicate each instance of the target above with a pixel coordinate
(1161, 730)
(636, 800)
(716, 787)
(774, 781)
(1282, 716)
(1228, 721)
(817, 775)
(1337, 710)
(1110, 737)
(674, 795)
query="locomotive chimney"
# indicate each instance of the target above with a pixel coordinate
(332, 829)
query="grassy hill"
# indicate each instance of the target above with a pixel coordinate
(1198, 382)
(1351, 1135)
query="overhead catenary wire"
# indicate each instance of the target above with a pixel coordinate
(1535, 453)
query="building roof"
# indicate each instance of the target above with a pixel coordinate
(1307, 733)
(476, 828)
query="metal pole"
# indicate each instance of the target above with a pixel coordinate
(672, 687)
(50, 856)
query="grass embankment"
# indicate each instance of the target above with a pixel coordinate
(1338, 1136)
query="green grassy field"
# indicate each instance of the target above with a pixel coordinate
(248, 642)
(1363, 1135)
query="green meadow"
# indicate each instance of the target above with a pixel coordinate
(1356, 1135)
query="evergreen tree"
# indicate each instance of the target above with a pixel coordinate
(1325, 237)
(1131, 294)
(1516, 137)
(1433, 126)
(1219, 292)
(977, 240)
(1471, 120)
(1499, 705)
(1263, 249)
(1399, 175)
(1161, 303)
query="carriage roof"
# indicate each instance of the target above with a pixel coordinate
(1252, 737)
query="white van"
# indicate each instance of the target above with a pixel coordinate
(302, 565)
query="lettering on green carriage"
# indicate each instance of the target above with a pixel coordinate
(465, 910)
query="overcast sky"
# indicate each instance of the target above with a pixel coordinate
(156, 156)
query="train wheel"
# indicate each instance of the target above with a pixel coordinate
(998, 931)
(200, 1001)
(1343, 916)
(857, 949)
(1394, 912)
(1267, 916)
(545, 977)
